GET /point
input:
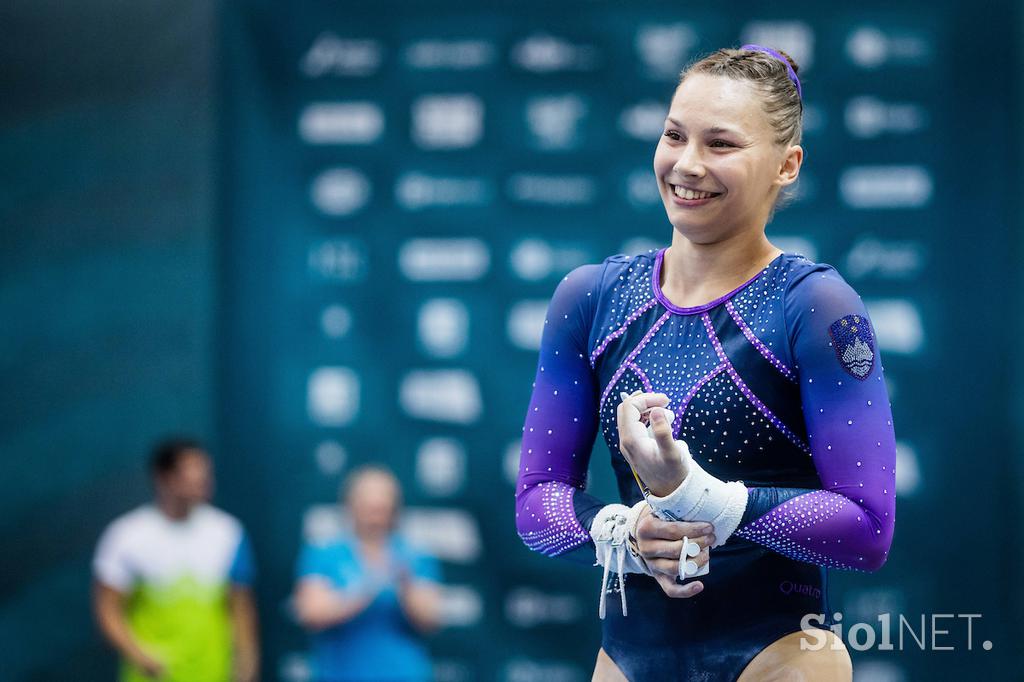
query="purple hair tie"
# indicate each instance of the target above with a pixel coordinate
(778, 55)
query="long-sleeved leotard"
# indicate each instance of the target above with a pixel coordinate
(777, 384)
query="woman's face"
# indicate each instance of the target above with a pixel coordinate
(717, 139)
(373, 504)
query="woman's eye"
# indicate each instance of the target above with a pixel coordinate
(672, 134)
(715, 143)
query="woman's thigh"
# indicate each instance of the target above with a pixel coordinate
(606, 671)
(784, 661)
(780, 661)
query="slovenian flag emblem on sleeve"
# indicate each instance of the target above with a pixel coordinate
(854, 344)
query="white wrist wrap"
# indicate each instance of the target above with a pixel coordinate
(702, 497)
(611, 530)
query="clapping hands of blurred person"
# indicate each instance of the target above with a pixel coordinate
(367, 595)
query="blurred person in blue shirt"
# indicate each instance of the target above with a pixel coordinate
(367, 596)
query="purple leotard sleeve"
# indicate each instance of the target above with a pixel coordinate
(848, 524)
(561, 423)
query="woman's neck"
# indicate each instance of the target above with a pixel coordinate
(693, 274)
(372, 542)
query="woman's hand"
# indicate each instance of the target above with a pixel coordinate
(318, 605)
(420, 601)
(661, 542)
(657, 461)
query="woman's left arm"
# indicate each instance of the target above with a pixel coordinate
(419, 592)
(849, 523)
(421, 603)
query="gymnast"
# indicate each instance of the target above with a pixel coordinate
(740, 391)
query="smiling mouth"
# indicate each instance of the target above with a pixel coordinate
(690, 194)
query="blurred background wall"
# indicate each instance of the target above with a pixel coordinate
(107, 293)
(323, 233)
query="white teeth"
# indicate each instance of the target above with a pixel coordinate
(684, 193)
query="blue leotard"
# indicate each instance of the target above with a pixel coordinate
(777, 384)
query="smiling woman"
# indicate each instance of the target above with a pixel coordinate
(730, 144)
(753, 444)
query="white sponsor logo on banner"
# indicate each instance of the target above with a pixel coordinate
(451, 260)
(443, 327)
(342, 259)
(332, 396)
(447, 121)
(461, 606)
(416, 191)
(510, 461)
(448, 534)
(644, 120)
(341, 123)
(340, 191)
(557, 190)
(526, 607)
(642, 188)
(330, 457)
(453, 55)
(543, 53)
(872, 187)
(330, 55)
(535, 259)
(443, 395)
(554, 121)
(870, 117)
(525, 323)
(871, 47)
(441, 466)
(336, 321)
(885, 258)
(664, 49)
(908, 473)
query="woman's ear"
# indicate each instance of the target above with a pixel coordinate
(789, 171)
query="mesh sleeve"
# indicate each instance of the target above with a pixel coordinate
(849, 523)
(552, 510)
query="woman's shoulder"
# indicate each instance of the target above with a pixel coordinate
(615, 277)
(618, 263)
(625, 274)
(802, 273)
(812, 286)
(627, 261)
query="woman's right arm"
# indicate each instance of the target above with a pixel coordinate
(553, 513)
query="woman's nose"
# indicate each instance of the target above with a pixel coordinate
(689, 163)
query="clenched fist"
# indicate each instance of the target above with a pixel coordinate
(660, 462)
